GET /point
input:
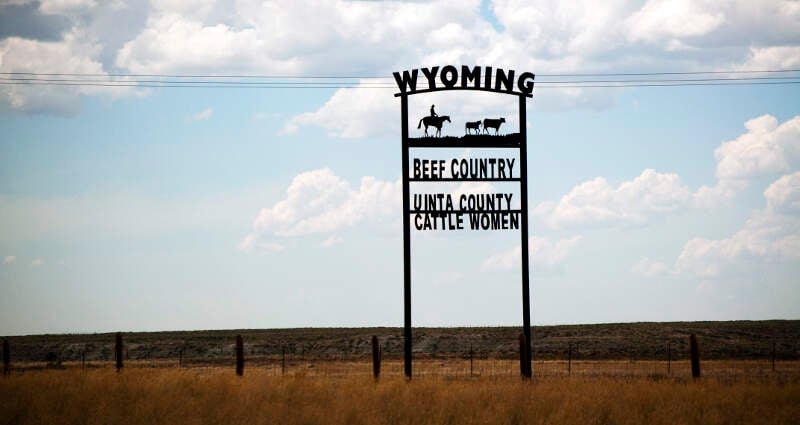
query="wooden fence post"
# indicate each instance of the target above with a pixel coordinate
(118, 350)
(773, 354)
(239, 355)
(695, 354)
(376, 358)
(471, 355)
(6, 358)
(669, 358)
(569, 360)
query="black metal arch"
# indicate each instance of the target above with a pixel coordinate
(512, 93)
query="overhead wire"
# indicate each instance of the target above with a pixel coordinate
(265, 76)
(738, 78)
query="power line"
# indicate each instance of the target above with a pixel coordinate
(635, 74)
(348, 83)
(271, 86)
(363, 77)
(710, 78)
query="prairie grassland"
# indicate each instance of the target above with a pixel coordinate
(215, 395)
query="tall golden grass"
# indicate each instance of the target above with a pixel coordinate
(218, 396)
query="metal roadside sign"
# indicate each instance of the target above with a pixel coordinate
(470, 212)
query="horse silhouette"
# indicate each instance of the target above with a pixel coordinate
(492, 123)
(434, 122)
(472, 125)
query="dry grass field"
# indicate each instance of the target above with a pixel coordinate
(442, 392)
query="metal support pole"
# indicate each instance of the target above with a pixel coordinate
(406, 238)
(527, 371)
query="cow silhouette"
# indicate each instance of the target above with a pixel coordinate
(472, 125)
(492, 123)
(434, 122)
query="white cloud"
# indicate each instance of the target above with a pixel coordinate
(766, 149)
(649, 268)
(8, 259)
(543, 251)
(319, 201)
(674, 20)
(37, 262)
(559, 37)
(74, 54)
(275, 37)
(252, 36)
(170, 43)
(784, 194)
(202, 115)
(773, 57)
(598, 202)
(772, 234)
(352, 113)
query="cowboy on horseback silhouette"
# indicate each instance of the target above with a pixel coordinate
(433, 121)
(433, 113)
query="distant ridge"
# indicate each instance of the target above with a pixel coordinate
(611, 341)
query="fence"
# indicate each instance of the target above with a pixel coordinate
(574, 355)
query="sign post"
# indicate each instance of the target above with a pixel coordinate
(438, 211)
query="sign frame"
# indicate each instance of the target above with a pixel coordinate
(470, 80)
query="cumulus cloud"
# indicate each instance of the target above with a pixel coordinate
(771, 234)
(784, 194)
(170, 43)
(351, 113)
(73, 54)
(773, 57)
(598, 202)
(320, 202)
(37, 262)
(252, 36)
(674, 19)
(544, 252)
(275, 36)
(767, 148)
(580, 35)
(9, 259)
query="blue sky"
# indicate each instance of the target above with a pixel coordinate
(174, 208)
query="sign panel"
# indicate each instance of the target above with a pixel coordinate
(445, 211)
